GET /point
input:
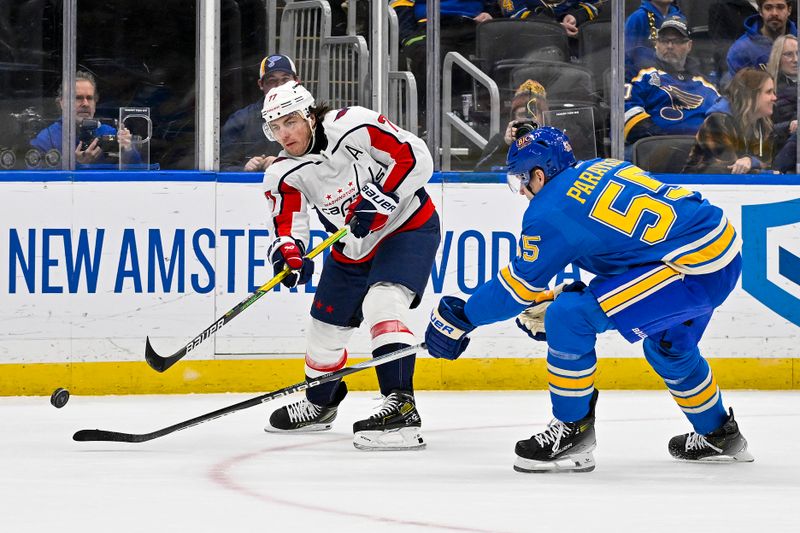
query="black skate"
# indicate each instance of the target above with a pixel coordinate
(396, 425)
(304, 416)
(723, 445)
(562, 447)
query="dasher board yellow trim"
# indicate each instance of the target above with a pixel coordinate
(264, 375)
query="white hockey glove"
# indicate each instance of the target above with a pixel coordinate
(531, 320)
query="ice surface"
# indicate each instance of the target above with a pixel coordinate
(228, 475)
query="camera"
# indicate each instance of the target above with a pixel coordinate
(524, 127)
(87, 132)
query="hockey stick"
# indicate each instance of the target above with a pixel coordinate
(90, 435)
(160, 363)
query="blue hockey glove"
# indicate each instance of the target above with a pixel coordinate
(370, 210)
(285, 251)
(446, 335)
(531, 320)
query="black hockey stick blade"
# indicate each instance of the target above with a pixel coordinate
(101, 435)
(161, 363)
(158, 363)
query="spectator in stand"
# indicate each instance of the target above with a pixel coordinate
(243, 146)
(782, 66)
(529, 105)
(88, 154)
(457, 22)
(571, 14)
(753, 48)
(669, 96)
(737, 137)
(641, 27)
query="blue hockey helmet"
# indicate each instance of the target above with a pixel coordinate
(546, 148)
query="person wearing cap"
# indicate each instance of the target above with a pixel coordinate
(668, 96)
(641, 27)
(529, 105)
(243, 146)
(753, 48)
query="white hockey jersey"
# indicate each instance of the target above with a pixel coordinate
(359, 145)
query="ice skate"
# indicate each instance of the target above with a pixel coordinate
(562, 447)
(304, 416)
(723, 445)
(395, 426)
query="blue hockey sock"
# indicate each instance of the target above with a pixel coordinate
(324, 394)
(395, 375)
(699, 398)
(571, 380)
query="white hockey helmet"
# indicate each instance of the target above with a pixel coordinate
(283, 100)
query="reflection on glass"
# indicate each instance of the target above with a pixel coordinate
(30, 71)
(142, 53)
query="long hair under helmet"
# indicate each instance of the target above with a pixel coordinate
(291, 97)
(545, 148)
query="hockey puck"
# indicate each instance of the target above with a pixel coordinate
(59, 398)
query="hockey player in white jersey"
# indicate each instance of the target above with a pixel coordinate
(352, 166)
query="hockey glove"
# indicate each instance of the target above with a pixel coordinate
(531, 320)
(287, 252)
(370, 210)
(446, 335)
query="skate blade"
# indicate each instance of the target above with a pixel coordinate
(741, 457)
(408, 438)
(305, 429)
(583, 462)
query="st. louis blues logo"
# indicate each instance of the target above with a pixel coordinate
(771, 254)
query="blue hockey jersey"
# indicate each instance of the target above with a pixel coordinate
(660, 102)
(605, 216)
(583, 10)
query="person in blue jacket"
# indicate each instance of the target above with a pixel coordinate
(243, 146)
(753, 48)
(663, 258)
(88, 153)
(641, 26)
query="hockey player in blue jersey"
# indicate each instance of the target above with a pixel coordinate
(663, 259)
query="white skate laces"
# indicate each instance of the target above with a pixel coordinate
(553, 434)
(302, 411)
(695, 441)
(388, 405)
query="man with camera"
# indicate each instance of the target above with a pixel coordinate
(98, 143)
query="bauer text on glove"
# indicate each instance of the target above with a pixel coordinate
(446, 335)
(370, 210)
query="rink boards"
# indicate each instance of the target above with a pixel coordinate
(92, 263)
